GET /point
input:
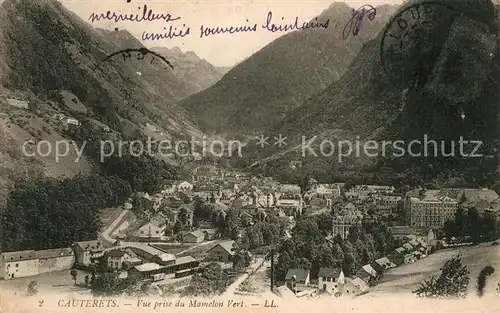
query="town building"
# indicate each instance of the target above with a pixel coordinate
(152, 230)
(222, 252)
(30, 262)
(341, 224)
(121, 258)
(291, 204)
(155, 271)
(196, 236)
(365, 191)
(297, 279)
(429, 208)
(88, 252)
(331, 190)
(210, 233)
(354, 286)
(330, 279)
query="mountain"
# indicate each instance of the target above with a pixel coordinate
(49, 74)
(224, 69)
(190, 68)
(261, 90)
(457, 96)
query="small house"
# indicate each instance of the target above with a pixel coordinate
(196, 236)
(222, 252)
(297, 279)
(330, 279)
(354, 287)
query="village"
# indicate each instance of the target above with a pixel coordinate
(164, 238)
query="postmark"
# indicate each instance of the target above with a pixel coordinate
(427, 44)
(141, 54)
(412, 40)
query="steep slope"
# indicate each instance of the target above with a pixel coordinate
(48, 77)
(199, 73)
(262, 89)
(367, 104)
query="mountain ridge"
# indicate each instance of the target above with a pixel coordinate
(261, 90)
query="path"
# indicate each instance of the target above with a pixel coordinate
(252, 268)
(105, 235)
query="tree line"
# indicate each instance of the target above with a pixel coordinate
(310, 248)
(472, 225)
(45, 212)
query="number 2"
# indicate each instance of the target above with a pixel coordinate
(40, 303)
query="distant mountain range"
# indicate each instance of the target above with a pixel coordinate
(188, 66)
(263, 89)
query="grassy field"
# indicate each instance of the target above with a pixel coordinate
(406, 278)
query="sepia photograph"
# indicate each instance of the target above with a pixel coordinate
(249, 156)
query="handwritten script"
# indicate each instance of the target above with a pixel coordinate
(182, 29)
(353, 26)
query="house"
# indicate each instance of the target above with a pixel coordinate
(177, 186)
(385, 263)
(397, 258)
(222, 252)
(297, 279)
(365, 191)
(152, 230)
(210, 233)
(18, 103)
(399, 233)
(72, 121)
(330, 279)
(290, 189)
(290, 204)
(354, 287)
(121, 258)
(368, 268)
(196, 236)
(88, 252)
(364, 275)
(31, 262)
(332, 190)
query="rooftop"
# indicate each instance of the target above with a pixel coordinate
(299, 274)
(146, 267)
(329, 272)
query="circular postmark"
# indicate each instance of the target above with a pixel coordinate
(412, 40)
(139, 54)
(439, 47)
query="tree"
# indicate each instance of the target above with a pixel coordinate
(211, 280)
(481, 279)
(74, 274)
(109, 284)
(177, 227)
(183, 217)
(32, 288)
(241, 259)
(453, 281)
(87, 280)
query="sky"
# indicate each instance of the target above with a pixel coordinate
(222, 49)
